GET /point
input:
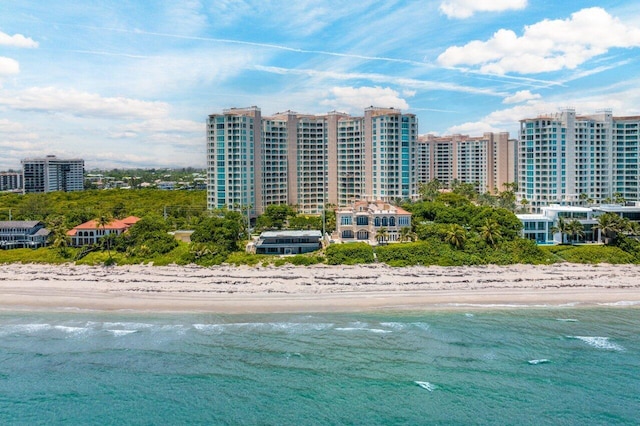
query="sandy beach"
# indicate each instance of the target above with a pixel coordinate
(228, 289)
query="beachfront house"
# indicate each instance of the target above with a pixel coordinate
(370, 221)
(90, 232)
(539, 227)
(23, 234)
(288, 242)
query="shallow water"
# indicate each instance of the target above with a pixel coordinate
(518, 366)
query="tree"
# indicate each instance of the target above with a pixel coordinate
(561, 228)
(275, 216)
(575, 229)
(609, 225)
(524, 203)
(406, 234)
(455, 235)
(490, 232)
(430, 190)
(58, 236)
(382, 235)
(102, 222)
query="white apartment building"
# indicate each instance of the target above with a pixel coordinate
(10, 181)
(52, 174)
(309, 160)
(568, 159)
(487, 161)
(232, 159)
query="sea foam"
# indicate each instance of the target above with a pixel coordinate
(599, 342)
(426, 385)
(538, 361)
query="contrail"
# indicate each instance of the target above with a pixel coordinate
(257, 44)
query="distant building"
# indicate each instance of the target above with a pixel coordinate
(288, 242)
(10, 181)
(166, 185)
(52, 174)
(23, 234)
(487, 162)
(364, 220)
(90, 232)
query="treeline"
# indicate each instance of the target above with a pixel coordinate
(447, 229)
(181, 209)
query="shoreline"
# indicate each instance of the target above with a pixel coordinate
(315, 289)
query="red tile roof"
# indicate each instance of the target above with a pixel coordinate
(115, 224)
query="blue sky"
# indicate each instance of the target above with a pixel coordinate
(130, 83)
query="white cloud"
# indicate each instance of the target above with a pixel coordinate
(521, 96)
(466, 8)
(473, 129)
(16, 40)
(549, 45)
(81, 104)
(355, 99)
(8, 66)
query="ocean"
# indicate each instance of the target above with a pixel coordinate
(562, 366)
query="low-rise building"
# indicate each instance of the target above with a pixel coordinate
(90, 232)
(540, 227)
(370, 221)
(288, 242)
(23, 234)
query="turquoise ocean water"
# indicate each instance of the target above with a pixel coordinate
(516, 366)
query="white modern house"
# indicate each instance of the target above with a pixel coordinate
(538, 227)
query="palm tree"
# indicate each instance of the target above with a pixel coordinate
(382, 235)
(490, 232)
(561, 228)
(524, 203)
(609, 225)
(102, 222)
(60, 240)
(406, 234)
(455, 235)
(575, 229)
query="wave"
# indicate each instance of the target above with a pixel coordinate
(71, 330)
(23, 329)
(567, 319)
(426, 385)
(286, 327)
(622, 303)
(370, 330)
(119, 333)
(599, 342)
(539, 361)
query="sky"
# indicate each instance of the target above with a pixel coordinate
(130, 83)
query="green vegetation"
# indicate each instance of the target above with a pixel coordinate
(460, 227)
(591, 254)
(349, 254)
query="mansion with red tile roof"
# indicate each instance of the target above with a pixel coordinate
(90, 232)
(364, 220)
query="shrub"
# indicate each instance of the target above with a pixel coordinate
(349, 254)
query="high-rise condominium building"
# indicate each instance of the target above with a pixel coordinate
(487, 161)
(309, 160)
(10, 181)
(52, 174)
(569, 159)
(232, 158)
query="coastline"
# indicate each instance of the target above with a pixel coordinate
(320, 288)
